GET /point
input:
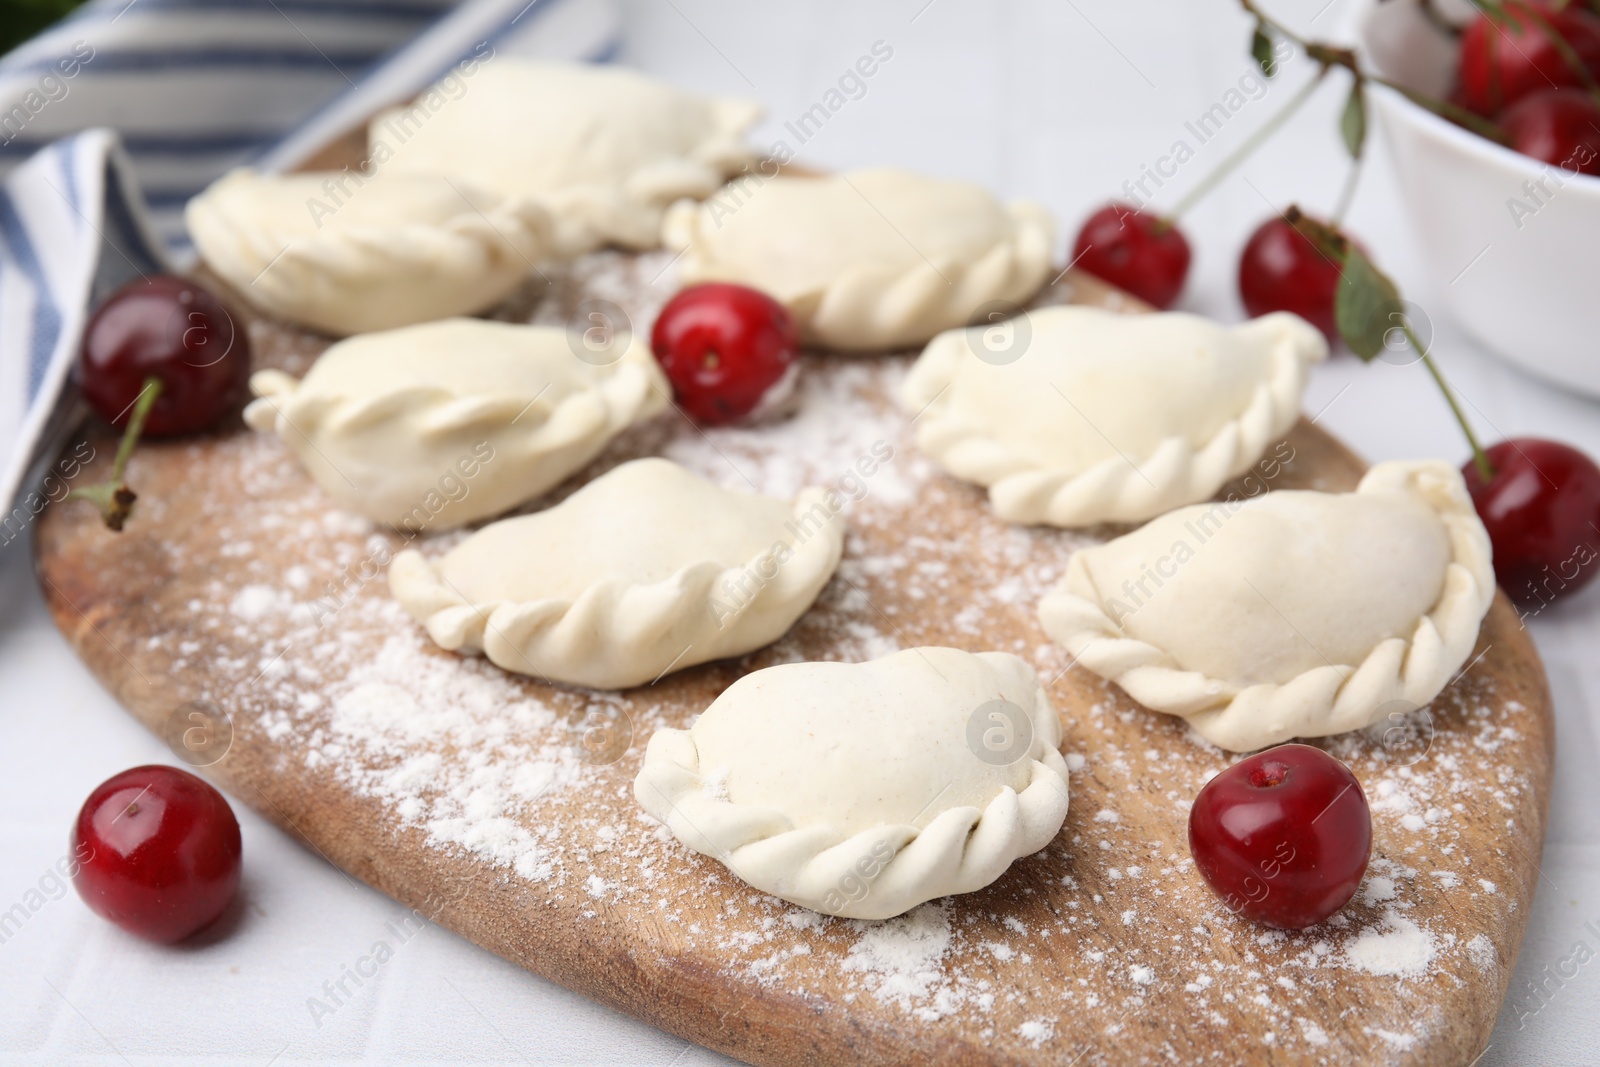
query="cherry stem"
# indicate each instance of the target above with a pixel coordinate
(130, 437)
(1443, 108)
(1479, 456)
(1240, 154)
(113, 497)
(1348, 193)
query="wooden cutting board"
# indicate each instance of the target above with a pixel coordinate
(248, 621)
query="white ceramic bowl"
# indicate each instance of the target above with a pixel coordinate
(1514, 243)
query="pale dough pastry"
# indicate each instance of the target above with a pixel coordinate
(1292, 614)
(865, 789)
(605, 148)
(870, 260)
(445, 423)
(346, 253)
(1074, 415)
(646, 569)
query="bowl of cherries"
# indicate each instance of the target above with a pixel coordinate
(1507, 213)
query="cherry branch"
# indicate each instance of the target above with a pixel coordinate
(1334, 56)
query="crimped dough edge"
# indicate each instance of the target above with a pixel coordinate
(1325, 700)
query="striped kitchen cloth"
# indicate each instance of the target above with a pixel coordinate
(111, 120)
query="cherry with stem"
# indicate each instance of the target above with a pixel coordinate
(161, 357)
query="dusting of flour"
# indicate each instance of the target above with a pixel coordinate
(534, 781)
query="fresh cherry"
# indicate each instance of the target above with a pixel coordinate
(172, 330)
(1560, 126)
(160, 356)
(1138, 253)
(1542, 511)
(1283, 837)
(1281, 269)
(723, 348)
(1504, 60)
(158, 852)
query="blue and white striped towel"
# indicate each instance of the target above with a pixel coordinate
(191, 88)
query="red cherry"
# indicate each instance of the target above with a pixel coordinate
(1560, 126)
(1281, 269)
(1542, 511)
(157, 852)
(1502, 62)
(723, 347)
(1138, 253)
(1282, 837)
(171, 329)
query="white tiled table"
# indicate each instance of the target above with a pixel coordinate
(1057, 101)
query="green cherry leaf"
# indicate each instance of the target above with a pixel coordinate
(1261, 50)
(1353, 123)
(1367, 306)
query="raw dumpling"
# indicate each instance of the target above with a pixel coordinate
(1292, 614)
(1074, 416)
(606, 149)
(349, 252)
(647, 569)
(872, 260)
(437, 425)
(864, 789)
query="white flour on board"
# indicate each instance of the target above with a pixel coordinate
(333, 671)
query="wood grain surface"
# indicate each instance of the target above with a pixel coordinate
(500, 807)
